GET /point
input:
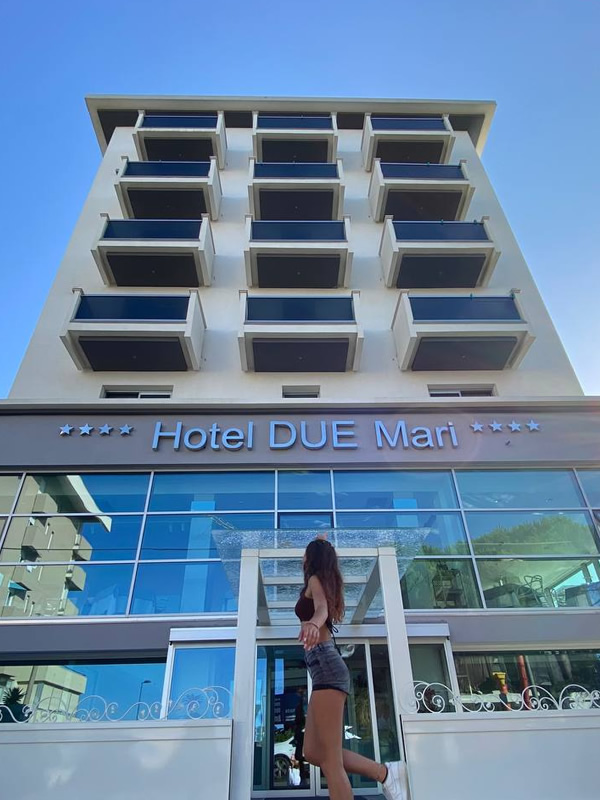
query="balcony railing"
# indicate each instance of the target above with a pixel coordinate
(408, 123)
(440, 231)
(168, 229)
(292, 121)
(449, 172)
(295, 170)
(208, 121)
(298, 230)
(131, 308)
(168, 169)
(300, 309)
(464, 309)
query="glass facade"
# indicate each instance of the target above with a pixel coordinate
(111, 544)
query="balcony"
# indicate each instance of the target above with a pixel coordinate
(406, 139)
(419, 191)
(294, 137)
(294, 190)
(300, 334)
(155, 252)
(298, 254)
(437, 255)
(135, 333)
(181, 137)
(460, 332)
(169, 189)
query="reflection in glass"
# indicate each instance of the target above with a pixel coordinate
(86, 691)
(428, 662)
(306, 521)
(523, 488)
(551, 583)
(69, 590)
(446, 536)
(440, 584)
(182, 588)
(101, 538)
(401, 490)
(304, 489)
(213, 491)
(8, 488)
(531, 533)
(514, 680)
(202, 683)
(384, 704)
(179, 536)
(72, 494)
(590, 480)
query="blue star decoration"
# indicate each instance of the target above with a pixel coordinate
(496, 426)
(533, 426)
(65, 430)
(85, 430)
(126, 429)
(105, 430)
(477, 427)
(515, 426)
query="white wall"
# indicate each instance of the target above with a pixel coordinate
(503, 755)
(47, 371)
(120, 761)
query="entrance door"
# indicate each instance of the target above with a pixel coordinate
(282, 692)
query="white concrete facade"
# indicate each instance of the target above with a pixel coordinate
(48, 372)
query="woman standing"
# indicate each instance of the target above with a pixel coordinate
(319, 607)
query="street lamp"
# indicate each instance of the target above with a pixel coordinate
(137, 713)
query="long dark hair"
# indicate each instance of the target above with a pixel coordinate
(321, 560)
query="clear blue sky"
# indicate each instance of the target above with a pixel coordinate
(539, 59)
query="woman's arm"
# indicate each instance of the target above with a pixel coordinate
(310, 631)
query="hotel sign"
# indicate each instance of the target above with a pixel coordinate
(122, 439)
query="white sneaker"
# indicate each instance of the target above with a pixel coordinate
(395, 786)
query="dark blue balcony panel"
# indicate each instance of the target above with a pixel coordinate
(152, 229)
(178, 203)
(464, 309)
(125, 308)
(407, 124)
(125, 354)
(167, 169)
(298, 230)
(280, 271)
(425, 204)
(461, 353)
(440, 231)
(443, 271)
(277, 122)
(295, 170)
(431, 172)
(179, 121)
(300, 355)
(300, 309)
(153, 269)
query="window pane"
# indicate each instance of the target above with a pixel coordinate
(101, 538)
(8, 488)
(183, 536)
(182, 589)
(83, 691)
(590, 480)
(304, 490)
(202, 684)
(430, 674)
(402, 490)
(71, 494)
(70, 590)
(440, 584)
(524, 488)
(384, 703)
(525, 583)
(213, 491)
(531, 533)
(514, 680)
(306, 521)
(446, 534)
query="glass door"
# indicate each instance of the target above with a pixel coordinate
(281, 700)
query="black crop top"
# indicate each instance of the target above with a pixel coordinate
(305, 610)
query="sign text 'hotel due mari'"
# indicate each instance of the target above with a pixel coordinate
(129, 439)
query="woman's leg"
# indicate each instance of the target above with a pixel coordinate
(323, 744)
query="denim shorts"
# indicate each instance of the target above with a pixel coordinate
(327, 668)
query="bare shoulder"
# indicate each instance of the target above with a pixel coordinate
(314, 588)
